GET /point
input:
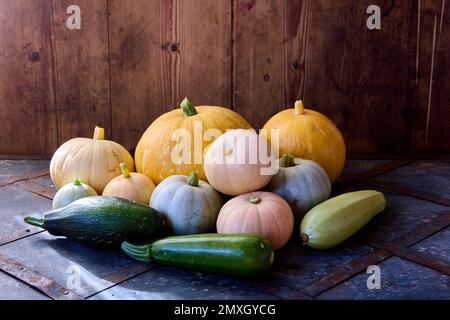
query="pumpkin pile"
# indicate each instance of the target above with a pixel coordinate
(189, 162)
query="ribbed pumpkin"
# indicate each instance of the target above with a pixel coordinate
(262, 213)
(131, 186)
(234, 164)
(308, 134)
(302, 183)
(189, 205)
(163, 139)
(71, 192)
(94, 161)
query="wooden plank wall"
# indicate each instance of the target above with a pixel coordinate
(132, 60)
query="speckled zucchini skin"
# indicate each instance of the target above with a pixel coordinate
(235, 254)
(104, 222)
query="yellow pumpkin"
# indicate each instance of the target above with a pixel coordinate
(308, 134)
(175, 143)
(131, 186)
(94, 161)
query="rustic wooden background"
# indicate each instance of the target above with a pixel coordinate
(132, 60)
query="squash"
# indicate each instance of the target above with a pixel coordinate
(71, 192)
(131, 186)
(335, 220)
(302, 183)
(189, 205)
(94, 161)
(238, 162)
(307, 134)
(174, 144)
(262, 213)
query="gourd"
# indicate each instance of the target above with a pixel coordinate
(234, 163)
(307, 134)
(103, 222)
(71, 192)
(94, 161)
(333, 221)
(234, 254)
(132, 186)
(262, 213)
(189, 205)
(302, 183)
(175, 142)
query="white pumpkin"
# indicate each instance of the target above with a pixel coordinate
(71, 192)
(189, 205)
(302, 183)
(131, 186)
(94, 161)
(239, 161)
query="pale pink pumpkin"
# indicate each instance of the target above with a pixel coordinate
(262, 213)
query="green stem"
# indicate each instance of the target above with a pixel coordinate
(124, 169)
(141, 253)
(188, 109)
(287, 161)
(193, 179)
(35, 222)
(77, 182)
(255, 200)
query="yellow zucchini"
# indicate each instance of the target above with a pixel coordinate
(333, 221)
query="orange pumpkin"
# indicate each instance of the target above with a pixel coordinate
(175, 143)
(261, 213)
(308, 134)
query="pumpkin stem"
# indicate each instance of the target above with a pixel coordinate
(99, 133)
(77, 182)
(255, 199)
(124, 169)
(34, 222)
(188, 109)
(193, 179)
(287, 161)
(304, 238)
(299, 108)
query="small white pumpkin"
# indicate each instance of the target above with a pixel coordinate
(189, 205)
(131, 186)
(302, 183)
(94, 161)
(239, 161)
(71, 192)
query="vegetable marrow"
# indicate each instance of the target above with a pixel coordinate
(235, 254)
(102, 221)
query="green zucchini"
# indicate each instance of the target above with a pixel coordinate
(235, 254)
(103, 222)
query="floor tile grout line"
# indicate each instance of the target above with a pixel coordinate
(381, 169)
(27, 284)
(21, 238)
(36, 274)
(400, 189)
(122, 281)
(13, 180)
(380, 253)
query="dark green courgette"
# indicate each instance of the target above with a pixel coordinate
(103, 222)
(235, 254)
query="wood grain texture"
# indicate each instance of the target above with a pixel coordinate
(81, 70)
(162, 51)
(27, 108)
(387, 90)
(430, 120)
(378, 117)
